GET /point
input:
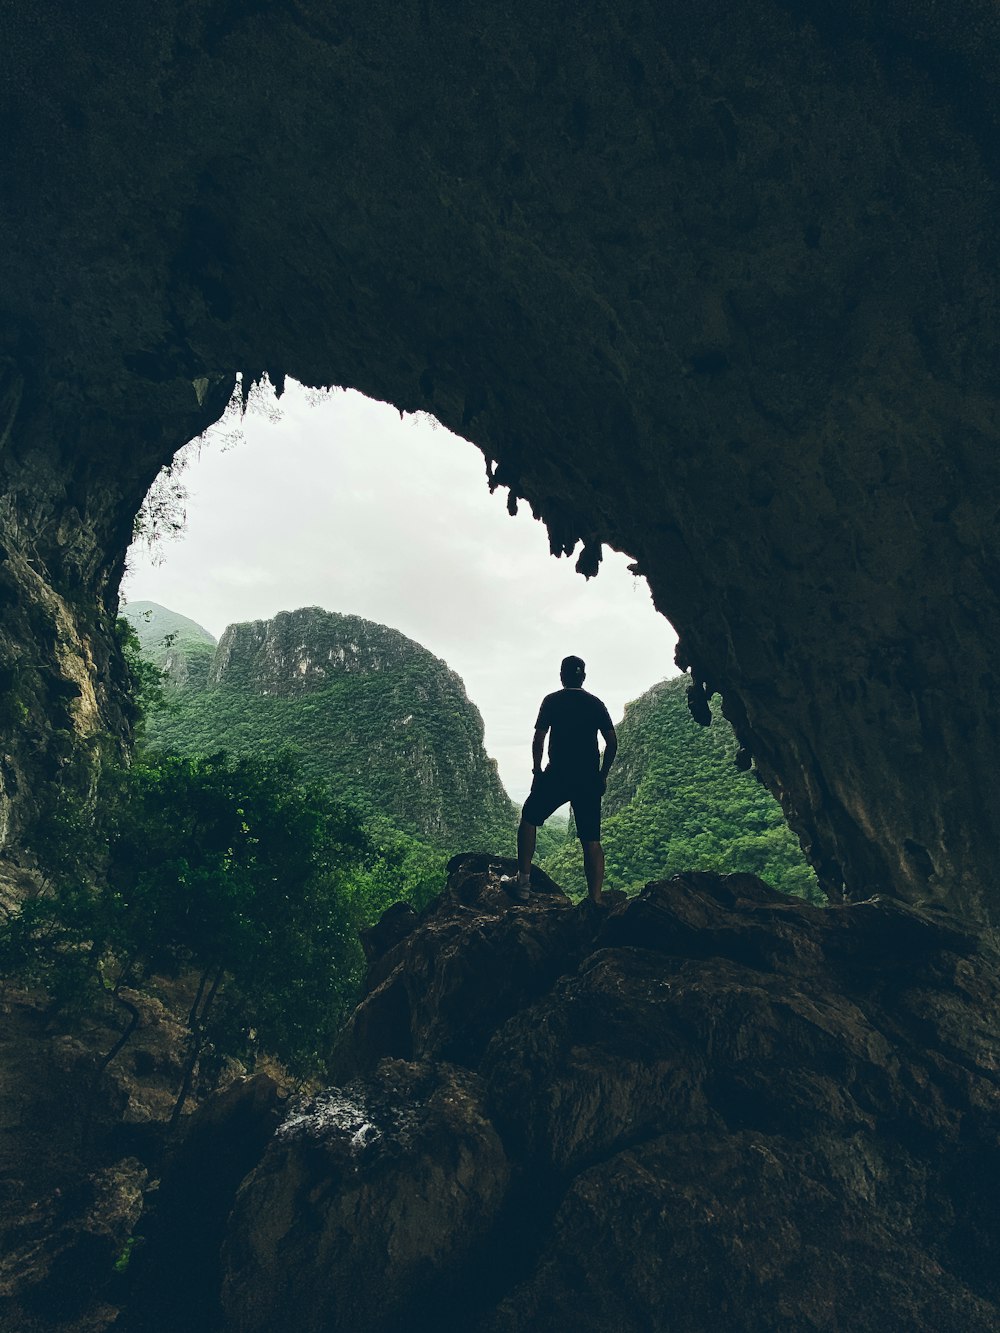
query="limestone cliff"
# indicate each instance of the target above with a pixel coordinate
(367, 710)
(300, 651)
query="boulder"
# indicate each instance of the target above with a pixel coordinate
(438, 992)
(743, 1233)
(370, 1207)
(719, 1108)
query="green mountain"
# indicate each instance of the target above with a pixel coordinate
(675, 801)
(376, 716)
(180, 647)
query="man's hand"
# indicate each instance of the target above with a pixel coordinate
(538, 749)
(610, 750)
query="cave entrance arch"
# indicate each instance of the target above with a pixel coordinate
(327, 499)
(694, 278)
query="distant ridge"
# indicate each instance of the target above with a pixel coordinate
(386, 724)
(176, 644)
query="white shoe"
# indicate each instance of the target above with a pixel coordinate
(516, 888)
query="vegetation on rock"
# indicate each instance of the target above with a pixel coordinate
(230, 869)
(373, 715)
(175, 645)
(234, 871)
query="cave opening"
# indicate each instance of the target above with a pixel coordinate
(326, 498)
(687, 278)
(712, 284)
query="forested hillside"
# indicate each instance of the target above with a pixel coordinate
(175, 644)
(385, 724)
(676, 802)
(389, 729)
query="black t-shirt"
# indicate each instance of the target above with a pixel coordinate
(575, 717)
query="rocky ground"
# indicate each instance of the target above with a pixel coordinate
(711, 1107)
(708, 1107)
(80, 1150)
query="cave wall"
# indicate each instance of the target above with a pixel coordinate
(715, 285)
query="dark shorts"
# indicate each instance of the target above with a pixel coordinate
(550, 790)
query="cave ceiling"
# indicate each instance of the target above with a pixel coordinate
(713, 284)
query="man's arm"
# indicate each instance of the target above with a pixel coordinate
(610, 750)
(538, 748)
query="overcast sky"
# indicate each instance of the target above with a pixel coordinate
(342, 504)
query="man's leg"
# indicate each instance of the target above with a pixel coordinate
(547, 794)
(519, 885)
(587, 811)
(593, 868)
(526, 836)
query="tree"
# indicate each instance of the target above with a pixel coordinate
(230, 867)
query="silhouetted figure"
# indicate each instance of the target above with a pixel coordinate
(572, 719)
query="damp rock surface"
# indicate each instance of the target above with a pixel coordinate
(369, 1208)
(708, 1107)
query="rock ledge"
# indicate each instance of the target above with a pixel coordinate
(711, 1107)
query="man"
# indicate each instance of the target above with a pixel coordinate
(571, 718)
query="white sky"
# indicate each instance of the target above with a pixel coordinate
(341, 504)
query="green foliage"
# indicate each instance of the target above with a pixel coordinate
(234, 868)
(170, 640)
(405, 869)
(163, 513)
(238, 872)
(231, 864)
(125, 1257)
(47, 941)
(146, 693)
(676, 802)
(14, 711)
(401, 745)
(553, 837)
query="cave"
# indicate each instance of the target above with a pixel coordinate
(716, 288)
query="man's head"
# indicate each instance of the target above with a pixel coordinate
(572, 671)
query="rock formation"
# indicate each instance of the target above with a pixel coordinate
(713, 284)
(72, 1185)
(713, 1107)
(386, 724)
